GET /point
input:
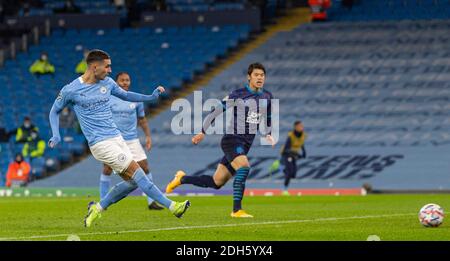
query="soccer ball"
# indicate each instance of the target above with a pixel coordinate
(431, 215)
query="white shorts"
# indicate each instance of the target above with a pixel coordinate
(136, 150)
(113, 152)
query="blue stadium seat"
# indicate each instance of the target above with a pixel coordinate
(37, 167)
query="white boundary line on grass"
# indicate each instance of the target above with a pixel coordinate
(207, 226)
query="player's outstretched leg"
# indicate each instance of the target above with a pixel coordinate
(117, 193)
(152, 205)
(150, 189)
(220, 177)
(204, 181)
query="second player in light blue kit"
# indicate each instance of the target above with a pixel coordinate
(90, 96)
(127, 115)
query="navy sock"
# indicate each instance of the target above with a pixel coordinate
(287, 179)
(239, 187)
(203, 181)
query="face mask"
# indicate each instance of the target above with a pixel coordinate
(27, 125)
(44, 58)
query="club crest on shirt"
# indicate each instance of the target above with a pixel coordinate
(103, 89)
(122, 157)
(132, 106)
(60, 97)
(253, 117)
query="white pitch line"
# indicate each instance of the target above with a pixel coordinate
(206, 226)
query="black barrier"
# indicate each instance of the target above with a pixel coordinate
(211, 18)
(68, 21)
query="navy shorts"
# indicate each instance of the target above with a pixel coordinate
(232, 147)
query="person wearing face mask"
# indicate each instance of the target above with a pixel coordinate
(35, 147)
(23, 133)
(290, 153)
(18, 172)
(42, 66)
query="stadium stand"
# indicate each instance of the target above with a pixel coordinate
(78, 6)
(203, 5)
(393, 10)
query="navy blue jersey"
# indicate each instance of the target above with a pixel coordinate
(249, 108)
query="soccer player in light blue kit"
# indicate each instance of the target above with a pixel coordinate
(126, 115)
(90, 96)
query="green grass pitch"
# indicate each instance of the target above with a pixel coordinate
(390, 217)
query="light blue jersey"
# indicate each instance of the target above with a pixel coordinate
(91, 103)
(125, 116)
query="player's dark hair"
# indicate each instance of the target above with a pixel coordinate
(254, 66)
(96, 56)
(297, 123)
(120, 73)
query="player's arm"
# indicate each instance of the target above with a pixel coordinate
(143, 123)
(58, 105)
(210, 118)
(134, 96)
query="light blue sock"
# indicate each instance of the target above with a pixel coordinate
(150, 189)
(120, 191)
(117, 193)
(150, 177)
(105, 183)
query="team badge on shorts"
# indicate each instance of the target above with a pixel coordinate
(103, 89)
(132, 106)
(240, 150)
(122, 157)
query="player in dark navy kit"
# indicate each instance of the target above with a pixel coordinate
(250, 104)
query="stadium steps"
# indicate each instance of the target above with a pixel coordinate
(291, 20)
